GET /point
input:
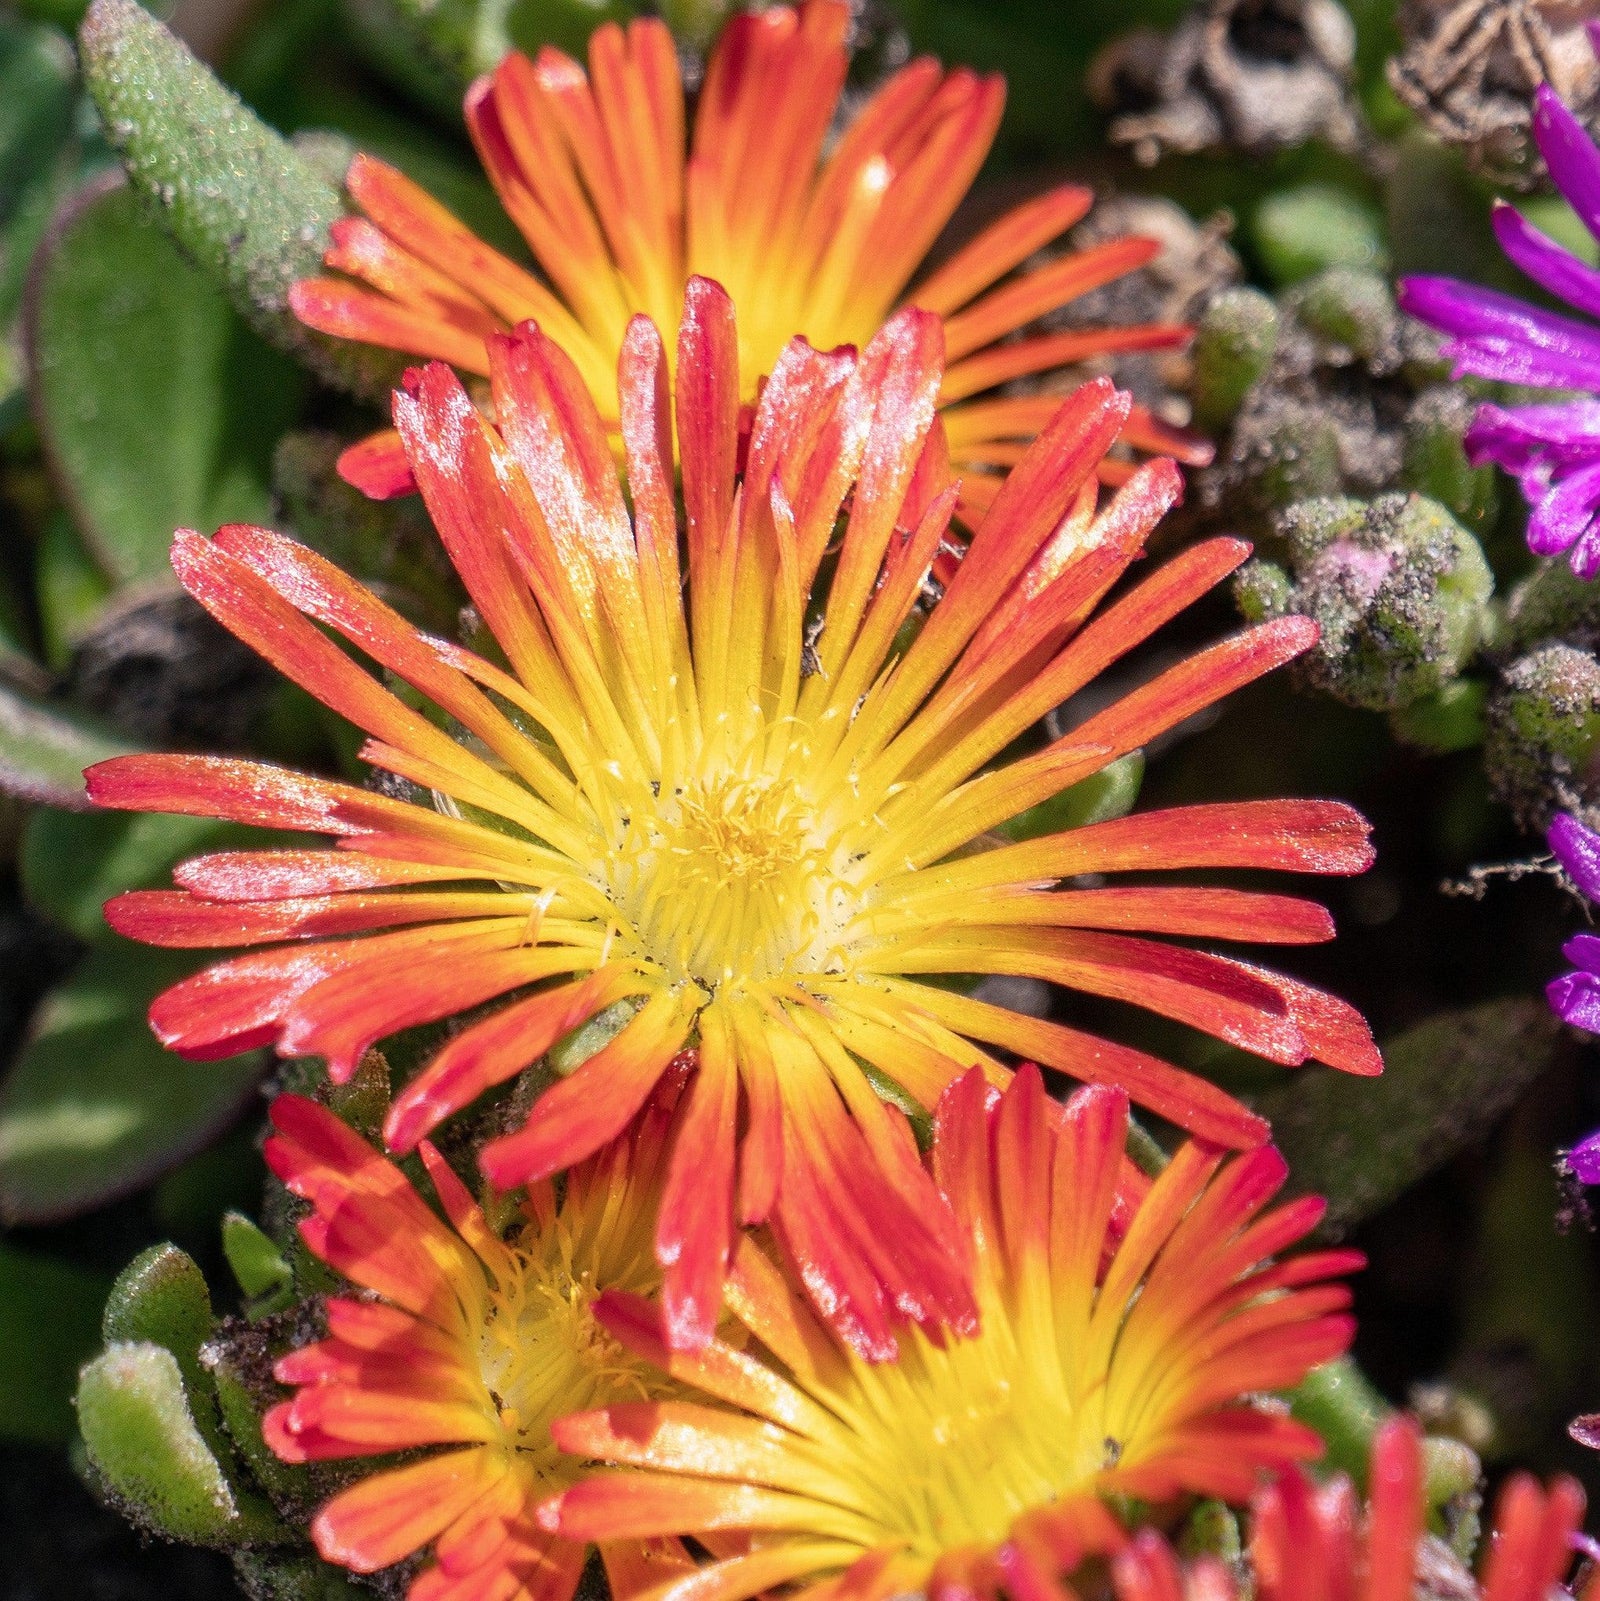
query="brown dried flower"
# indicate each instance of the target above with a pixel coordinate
(1470, 67)
(1246, 75)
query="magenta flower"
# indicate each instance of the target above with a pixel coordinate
(1553, 448)
(1575, 996)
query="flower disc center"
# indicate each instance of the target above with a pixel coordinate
(543, 1353)
(733, 879)
(975, 1435)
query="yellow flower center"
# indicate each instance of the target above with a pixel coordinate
(734, 879)
(542, 1353)
(952, 1446)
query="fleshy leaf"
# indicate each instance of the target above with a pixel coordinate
(257, 1263)
(293, 1577)
(142, 1440)
(44, 750)
(246, 206)
(69, 587)
(95, 1107)
(158, 408)
(1343, 1405)
(1445, 1083)
(1301, 231)
(72, 863)
(427, 44)
(161, 1297)
(37, 157)
(1112, 792)
(244, 1393)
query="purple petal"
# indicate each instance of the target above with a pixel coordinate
(1569, 153)
(1453, 307)
(1583, 951)
(1516, 438)
(1564, 515)
(1534, 482)
(1471, 312)
(1575, 999)
(1578, 850)
(1584, 557)
(1584, 1159)
(1544, 261)
(1512, 361)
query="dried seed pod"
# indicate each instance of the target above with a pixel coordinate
(1469, 69)
(157, 667)
(1246, 75)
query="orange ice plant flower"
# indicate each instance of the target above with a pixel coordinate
(1310, 1542)
(745, 801)
(1114, 1357)
(466, 1344)
(620, 204)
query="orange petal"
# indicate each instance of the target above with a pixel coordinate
(178, 920)
(491, 1051)
(382, 1519)
(694, 1231)
(244, 876)
(343, 309)
(377, 466)
(1001, 246)
(581, 1113)
(639, 1505)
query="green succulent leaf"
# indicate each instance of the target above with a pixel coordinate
(72, 863)
(1112, 792)
(434, 48)
(257, 1263)
(242, 1404)
(1343, 1405)
(571, 1051)
(1450, 719)
(340, 122)
(1304, 230)
(247, 208)
(1362, 1142)
(293, 1578)
(49, 1325)
(567, 24)
(161, 1297)
(158, 407)
(36, 86)
(142, 1439)
(45, 748)
(69, 587)
(38, 156)
(1233, 347)
(95, 1107)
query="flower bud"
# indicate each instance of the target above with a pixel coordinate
(1552, 602)
(1435, 458)
(1397, 586)
(1348, 307)
(1233, 347)
(1544, 728)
